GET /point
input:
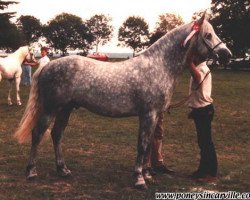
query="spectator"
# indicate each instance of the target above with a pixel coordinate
(26, 73)
(44, 59)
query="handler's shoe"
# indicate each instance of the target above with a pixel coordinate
(201, 176)
(147, 174)
(162, 169)
(207, 179)
(197, 174)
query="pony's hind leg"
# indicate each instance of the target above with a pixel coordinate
(146, 129)
(37, 134)
(61, 122)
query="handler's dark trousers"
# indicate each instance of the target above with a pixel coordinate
(208, 159)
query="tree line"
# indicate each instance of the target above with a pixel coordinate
(67, 31)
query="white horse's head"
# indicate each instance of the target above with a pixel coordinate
(206, 43)
(30, 56)
(27, 53)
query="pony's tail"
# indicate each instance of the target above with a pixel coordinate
(31, 112)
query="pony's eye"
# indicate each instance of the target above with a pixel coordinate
(208, 36)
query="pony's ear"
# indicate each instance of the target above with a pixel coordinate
(201, 20)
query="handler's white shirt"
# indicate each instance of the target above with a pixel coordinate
(202, 96)
(43, 61)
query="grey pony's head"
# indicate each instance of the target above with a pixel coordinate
(206, 43)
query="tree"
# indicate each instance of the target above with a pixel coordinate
(4, 5)
(10, 37)
(166, 22)
(31, 27)
(134, 33)
(67, 31)
(156, 35)
(101, 29)
(231, 22)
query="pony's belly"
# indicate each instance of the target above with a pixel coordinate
(8, 75)
(112, 108)
(112, 113)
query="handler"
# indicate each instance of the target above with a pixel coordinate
(202, 113)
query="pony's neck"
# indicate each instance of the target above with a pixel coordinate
(21, 54)
(168, 49)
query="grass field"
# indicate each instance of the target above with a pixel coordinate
(101, 151)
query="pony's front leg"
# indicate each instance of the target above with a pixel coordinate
(9, 94)
(146, 129)
(18, 80)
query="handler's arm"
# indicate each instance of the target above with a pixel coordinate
(32, 64)
(194, 72)
(192, 68)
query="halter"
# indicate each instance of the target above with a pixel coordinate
(195, 30)
(211, 49)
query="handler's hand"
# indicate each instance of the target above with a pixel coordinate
(189, 58)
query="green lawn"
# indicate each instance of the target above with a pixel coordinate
(101, 151)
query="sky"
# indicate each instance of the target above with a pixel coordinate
(119, 11)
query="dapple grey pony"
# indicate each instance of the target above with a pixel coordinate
(141, 86)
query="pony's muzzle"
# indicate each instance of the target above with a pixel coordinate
(223, 56)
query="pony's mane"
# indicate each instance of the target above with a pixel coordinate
(182, 31)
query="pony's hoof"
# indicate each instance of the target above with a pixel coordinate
(64, 172)
(31, 174)
(140, 182)
(31, 177)
(19, 103)
(10, 103)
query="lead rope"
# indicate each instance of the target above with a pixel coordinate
(183, 101)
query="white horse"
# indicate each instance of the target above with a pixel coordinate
(10, 68)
